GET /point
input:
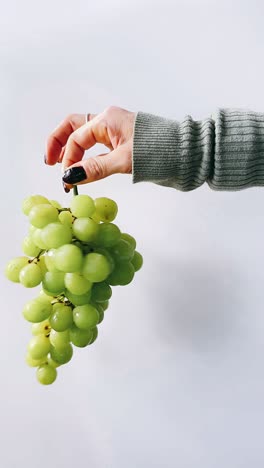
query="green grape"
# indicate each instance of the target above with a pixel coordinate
(82, 206)
(59, 339)
(104, 305)
(44, 297)
(130, 239)
(31, 230)
(106, 254)
(29, 248)
(79, 244)
(66, 217)
(14, 267)
(49, 258)
(61, 356)
(105, 209)
(56, 204)
(137, 261)
(101, 292)
(122, 251)
(38, 239)
(80, 338)
(85, 316)
(50, 294)
(57, 304)
(99, 309)
(95, 334)
(56, 234)
(77, 284)
(42, 264)
(53, 282)
(52, 363)
(30, 275)
(96, 267)
(34, 362)
(101, 315)
(36, 310)
(95, 218)
(31, 201)
(76, 299)
(108, 235)
(41, 215)
(85, 229)
(42, 328)
(68, 258)
(61, 318)
(38, 347)
(46, 374)
(123, 274)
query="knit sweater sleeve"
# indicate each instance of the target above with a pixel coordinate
(225, 150)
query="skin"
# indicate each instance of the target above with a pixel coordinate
(113, 127)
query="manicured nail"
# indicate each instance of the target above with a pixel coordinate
(65, 187)
(74, 175)
(45, 159)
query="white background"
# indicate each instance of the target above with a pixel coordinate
(176, 377)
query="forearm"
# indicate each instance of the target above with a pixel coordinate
(225, 150)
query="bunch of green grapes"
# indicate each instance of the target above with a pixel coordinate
(76, 254)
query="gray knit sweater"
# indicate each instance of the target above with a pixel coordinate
(225, 150)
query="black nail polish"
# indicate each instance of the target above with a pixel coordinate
(65, 187)
(74, 175)
(45, 159)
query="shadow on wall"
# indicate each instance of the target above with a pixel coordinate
(196, 304)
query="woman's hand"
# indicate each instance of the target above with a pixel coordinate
(68, 142)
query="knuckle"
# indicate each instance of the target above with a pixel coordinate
(73, 141)
(70, 117)
(110, 110)
(70, 140)
(96, 168)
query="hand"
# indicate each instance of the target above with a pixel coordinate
(68, 142)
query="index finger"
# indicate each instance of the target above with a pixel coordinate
(59, 137)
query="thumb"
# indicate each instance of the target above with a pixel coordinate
(99, 167)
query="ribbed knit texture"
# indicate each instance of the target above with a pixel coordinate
(225, 150)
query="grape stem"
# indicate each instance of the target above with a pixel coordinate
(61, 299)
(37, 257)
(75, 190)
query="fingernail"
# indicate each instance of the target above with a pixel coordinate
(65, 187)
(45, 159)
(74, 175)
